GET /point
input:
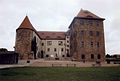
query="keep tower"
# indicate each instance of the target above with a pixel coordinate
(25, 43)
(87, 37)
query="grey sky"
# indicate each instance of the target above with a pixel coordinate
(56, 15)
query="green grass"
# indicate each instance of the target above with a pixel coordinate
(60, 74)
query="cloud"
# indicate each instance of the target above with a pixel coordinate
(57, 15)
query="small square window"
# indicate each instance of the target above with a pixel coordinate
(91, 44)
(67, 41)
(83, 56)
(55, 49)
(48, 49)
(62, 49)
(49, 43)
(60, 43)
(42, 44)
(47, 55)
(67, 45)
(97, 33)
(91, 33)
(82, 44)
(98, 44)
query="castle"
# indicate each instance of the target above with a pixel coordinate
(84, 41)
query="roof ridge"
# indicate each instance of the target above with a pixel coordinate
(87, 14)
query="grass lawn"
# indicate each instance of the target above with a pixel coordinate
(60, 74)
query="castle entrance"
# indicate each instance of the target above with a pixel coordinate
(42, 54)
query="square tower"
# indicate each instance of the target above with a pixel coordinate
(87, 37)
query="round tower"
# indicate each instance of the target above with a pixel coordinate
(24, 38)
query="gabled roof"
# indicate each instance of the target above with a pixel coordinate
(86, 14)
(50, 35)
(26, 24)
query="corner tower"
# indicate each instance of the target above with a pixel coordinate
(25, 43)
(87, 37)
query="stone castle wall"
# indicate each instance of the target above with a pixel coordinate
(80, 40)
(23, 43)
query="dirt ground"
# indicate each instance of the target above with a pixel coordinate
(46, 63)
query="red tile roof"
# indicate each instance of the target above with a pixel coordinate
(26, 24)
(47, 35)
(86, 14)
(42, 34)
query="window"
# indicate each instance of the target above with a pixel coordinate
(63, 55)
(49, 43)
(60, 43)
(67, 45)
(92, 56)
(62, 49)
(97, 23)
(82, 33)
(67, 41)
(91, 44)
(47, 55)
(97, 33)
(48, 49)
(81, 22)
(67, 50)
(42, 44)
(56, 55)
(82, 44)
(98, 44)
(55, 49)
(90, 23)
(99, 56)
(91, 33)
(83, 56)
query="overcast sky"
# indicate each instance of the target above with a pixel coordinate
(56, 15)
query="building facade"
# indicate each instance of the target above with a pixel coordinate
(84, 41)
(32, 44)
(87, 37)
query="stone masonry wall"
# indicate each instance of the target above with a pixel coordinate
(23, 43)
(80, 40)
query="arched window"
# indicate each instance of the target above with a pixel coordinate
(92, 56)
(83, 56)
(99, 56)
